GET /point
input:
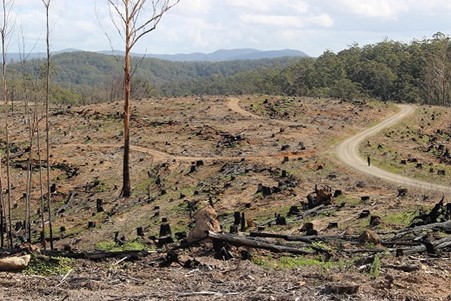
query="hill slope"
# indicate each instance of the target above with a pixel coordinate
(96, 76)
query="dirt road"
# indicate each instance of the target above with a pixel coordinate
(348, 152)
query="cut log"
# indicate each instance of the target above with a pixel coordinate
(445, 226)
(245, 242)
(97, 255)
(431, 247)
(404, 268)
(341, 289)
(67, 202)
(303, 238)
(268, 222)
(304, 214)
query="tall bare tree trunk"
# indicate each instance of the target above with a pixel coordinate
(126, 188)
(4, 34)
(47, 129)
(2, 212)
(41, 189)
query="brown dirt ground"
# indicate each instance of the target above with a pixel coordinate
(168, 135)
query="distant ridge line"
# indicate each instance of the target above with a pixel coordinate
(217, 56)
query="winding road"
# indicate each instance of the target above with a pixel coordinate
(348, 152)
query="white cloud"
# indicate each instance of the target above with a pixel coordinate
(299, 6)
(271, 20)
(193, 7)
(322, 20)
(375, 8)
(255, 5)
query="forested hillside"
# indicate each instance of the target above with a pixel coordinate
(419, 71)
(85, 77)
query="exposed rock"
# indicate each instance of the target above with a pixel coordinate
(16, 263)
(205, 220)
(369, 236)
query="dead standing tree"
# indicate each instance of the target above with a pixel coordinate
(126, 15)
(47, 129)
(5, 32)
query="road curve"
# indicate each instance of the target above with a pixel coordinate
(348, 152)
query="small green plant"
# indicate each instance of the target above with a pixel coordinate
(105, 245)
(47, 266)
(375, 267)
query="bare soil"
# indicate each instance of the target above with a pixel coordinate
(239, 150)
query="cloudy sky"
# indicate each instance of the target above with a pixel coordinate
(312, 26)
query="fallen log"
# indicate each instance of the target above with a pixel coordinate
(96, 255)
(431, 247)
(306, 213)
(444, 226)
(67, 202)
(307, 239)
(245, 242)
(404, 268)
(273, 220)
(302, 214)
(375, 250)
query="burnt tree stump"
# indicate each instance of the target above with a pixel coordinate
(165, 228)
(99, 205)
(237, 218)
(365, 213)
(375, 220)
(243, 223)
(140, 231)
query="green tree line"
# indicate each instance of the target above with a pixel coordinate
(416, 72)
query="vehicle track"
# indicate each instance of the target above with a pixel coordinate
(348, 152)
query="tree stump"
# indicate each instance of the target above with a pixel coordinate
(375, 220)
(237, 218)
(165, 228)
(140, 231)
(99, 205)
(243, 223)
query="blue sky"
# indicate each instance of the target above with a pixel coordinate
(312, 26)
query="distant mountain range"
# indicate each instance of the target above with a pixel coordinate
(217, 56)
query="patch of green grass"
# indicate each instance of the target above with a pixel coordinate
(105, 245)
(348, 200)
(286, 262)
(44, 266)
(401, 218)
(143, 186)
